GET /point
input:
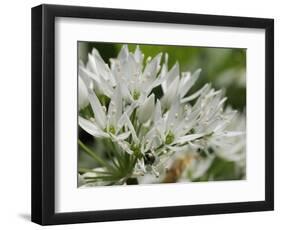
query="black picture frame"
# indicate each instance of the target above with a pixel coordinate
(43, 114)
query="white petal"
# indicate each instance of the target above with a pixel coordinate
(147, 88)
(83, 94)
(190, 137)
(185, 77)
(184, 88)
(132, 129)
(100, 83)
(91, 128)
(131, 71)
(98, 110)
(173, 115)
(178, 149)
(123, 136)
(227, 118)
(170, 95)
(170, 76)
(125, 91)
(85, 76)
(152, 67)
(157, 111)
(123, 54)
(91, 64)
(138, 55)
(146, 110)
(85, 73)
(115, 107)
(128, 111)
(106, 88)
(196, 94)
(232, 134)
(102, 68)
(185, 126)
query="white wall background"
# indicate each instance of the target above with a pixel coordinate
(15, 114)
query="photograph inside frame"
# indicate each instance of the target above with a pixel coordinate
(152, 114)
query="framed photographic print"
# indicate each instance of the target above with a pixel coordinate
(141, 114)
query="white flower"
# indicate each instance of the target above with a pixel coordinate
(176, 85)
(107, 122)
(233, 148)
(135, 80)
(99, 72)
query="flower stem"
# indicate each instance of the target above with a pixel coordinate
(95, 156)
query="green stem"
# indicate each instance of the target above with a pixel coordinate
(95, 156)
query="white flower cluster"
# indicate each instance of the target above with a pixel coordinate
(144, 127)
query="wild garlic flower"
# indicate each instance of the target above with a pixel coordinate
(228, 144)
(142, 129)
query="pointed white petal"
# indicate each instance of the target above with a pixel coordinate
(157, 111)
(123, 136)
(100, 83)
(125, 91)
(91, 128)
(102, 68)
(184, 88)
(138, 55)
(83, 94)
(170, 95)
(190, 137)
(158, 81)
(106, 88)
(227, 118)
(91, 64)
(173, 115)
(123, 54)
(98, 110)
(196, 94)
(146, 110)
(132, 129)
(152, 67)
(115, 107)
(131, 70)
(178, 148)
(86, 74)
(170, 76)
(186, 125)
(128, 111)
(232, 134)
(185, 77)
